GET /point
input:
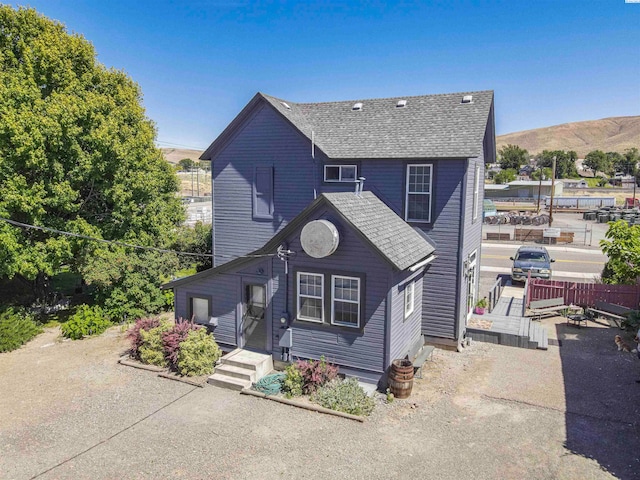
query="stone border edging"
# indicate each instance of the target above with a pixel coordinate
(125, 360)
(313, 408)
(181, 379)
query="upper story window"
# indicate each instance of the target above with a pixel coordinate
(340, 173)
(419, 193)
(263, 193)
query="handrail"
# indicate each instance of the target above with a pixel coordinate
(495, 293)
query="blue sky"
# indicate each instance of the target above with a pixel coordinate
(200, 62)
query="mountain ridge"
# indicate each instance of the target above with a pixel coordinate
(612, 134)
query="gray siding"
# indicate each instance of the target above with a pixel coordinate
(351, 348)
(386, 178)
(405, 332)
(267, 140)
(223, 291)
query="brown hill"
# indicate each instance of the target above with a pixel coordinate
(174, 155)
(614, 134)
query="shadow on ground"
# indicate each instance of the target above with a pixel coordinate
(602, 398)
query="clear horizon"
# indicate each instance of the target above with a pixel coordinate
(199, 63)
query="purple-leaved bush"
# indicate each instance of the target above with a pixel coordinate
(171, 339)
(316, 373)
(146, 323)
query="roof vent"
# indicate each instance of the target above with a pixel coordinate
(357, 106)
(467, 99)
(319, 238)
(285, 105)
(401, 104)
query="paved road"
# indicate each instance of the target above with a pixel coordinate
(572, 264)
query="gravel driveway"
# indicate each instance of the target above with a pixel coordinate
(69, 411)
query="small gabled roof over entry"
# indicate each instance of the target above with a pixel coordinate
(450, 125)
(385, 232)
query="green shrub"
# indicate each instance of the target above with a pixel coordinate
(632, 322)
(198, 353)
(17, 327)
(293, 381)
(344, 396)
(316, 373)
(85, 322)
(151, 349)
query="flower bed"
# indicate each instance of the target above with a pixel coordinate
(317, 382)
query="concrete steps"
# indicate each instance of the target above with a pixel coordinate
(240, 368)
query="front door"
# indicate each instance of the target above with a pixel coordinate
(254, 325)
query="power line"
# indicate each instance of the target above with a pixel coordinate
(171, 144)
(115, 242)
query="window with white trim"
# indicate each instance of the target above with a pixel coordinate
(310, 297)
(476, 193)
(409, 299)
(340, 173)
(199, 309)
(418, 199)
(345, 301)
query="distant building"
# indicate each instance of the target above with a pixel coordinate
(575, 184)
(523, 190)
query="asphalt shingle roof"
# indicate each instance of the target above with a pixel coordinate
(391, 236)
(429, 126)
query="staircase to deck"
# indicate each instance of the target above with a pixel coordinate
(240, 368)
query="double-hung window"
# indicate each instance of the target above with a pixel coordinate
(310, 297)
(345, 301)
(419, 193)
(338, 304)
(409, 299)
(340, 173)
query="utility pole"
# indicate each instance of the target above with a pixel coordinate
(539, 190)
(191, 180)
(198, 178)
(553, 186)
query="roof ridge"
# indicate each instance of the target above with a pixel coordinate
(399, 97)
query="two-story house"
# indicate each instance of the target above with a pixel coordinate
(345, 229)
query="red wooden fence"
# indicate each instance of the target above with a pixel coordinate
(583, 294)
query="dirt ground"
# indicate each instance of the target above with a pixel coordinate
(68, 410)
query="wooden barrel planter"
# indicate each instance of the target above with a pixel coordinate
(401, 378)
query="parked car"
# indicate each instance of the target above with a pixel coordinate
(534, 260)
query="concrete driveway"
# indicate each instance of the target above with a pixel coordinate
(69, 411)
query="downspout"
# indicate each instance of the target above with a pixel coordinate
(314, 169)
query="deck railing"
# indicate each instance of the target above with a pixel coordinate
(494, 294)
(584, 294)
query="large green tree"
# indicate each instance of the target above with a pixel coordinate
(565, 162)
(597, 161)
(622, 247)
(512, 156)
(77, 154)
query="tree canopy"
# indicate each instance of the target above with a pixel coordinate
(77, 153)
(597, 161)
(565, 162)
(505, 176)
(512, 156)
(622, 246)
